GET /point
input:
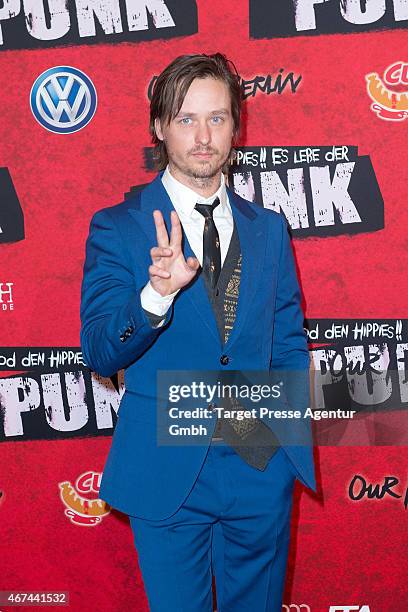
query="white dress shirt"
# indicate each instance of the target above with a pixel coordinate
(184, 200)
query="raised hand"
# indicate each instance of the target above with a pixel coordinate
(169, 270)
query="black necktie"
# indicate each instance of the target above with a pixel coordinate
(211, 244)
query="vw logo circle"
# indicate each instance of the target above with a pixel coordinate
(63, 99)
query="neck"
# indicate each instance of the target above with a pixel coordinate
(205, 187)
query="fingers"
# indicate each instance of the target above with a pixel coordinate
(165, 247)
(161, 232)
(157, 253)
(156, 271)
(176, 233)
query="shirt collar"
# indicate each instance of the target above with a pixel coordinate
(184, 199)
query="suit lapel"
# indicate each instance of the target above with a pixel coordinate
(252, 241)
(252, 238)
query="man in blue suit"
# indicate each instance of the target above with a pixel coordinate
(187, 275)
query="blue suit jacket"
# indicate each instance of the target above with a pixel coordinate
(140, 477)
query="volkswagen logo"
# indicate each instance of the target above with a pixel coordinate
(63, 99)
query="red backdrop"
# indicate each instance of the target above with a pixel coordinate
(343, 551)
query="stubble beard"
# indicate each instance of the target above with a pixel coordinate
(201, 172)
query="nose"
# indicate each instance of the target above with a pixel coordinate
(203, 133)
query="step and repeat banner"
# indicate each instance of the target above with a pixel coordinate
(325, 84)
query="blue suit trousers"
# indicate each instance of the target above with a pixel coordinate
(235, 524)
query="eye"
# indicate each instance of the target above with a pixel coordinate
(217, 119)
(185, 120)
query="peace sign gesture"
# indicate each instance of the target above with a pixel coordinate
(169, 270)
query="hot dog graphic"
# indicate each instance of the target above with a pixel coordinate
(392, 105)
(81, 510)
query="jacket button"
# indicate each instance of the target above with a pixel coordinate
(212, 406)
(224, 359)
(122, 338)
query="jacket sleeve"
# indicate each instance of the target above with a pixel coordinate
(115, 330)
(290, 354)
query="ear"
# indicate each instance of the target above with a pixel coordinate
(158, 129)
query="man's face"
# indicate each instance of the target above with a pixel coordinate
(198, 140)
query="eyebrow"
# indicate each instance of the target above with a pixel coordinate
(221, 111)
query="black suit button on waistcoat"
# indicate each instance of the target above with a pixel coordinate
(224, 359)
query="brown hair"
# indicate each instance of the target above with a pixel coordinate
(172, 85)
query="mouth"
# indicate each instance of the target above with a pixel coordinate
(206, 155)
